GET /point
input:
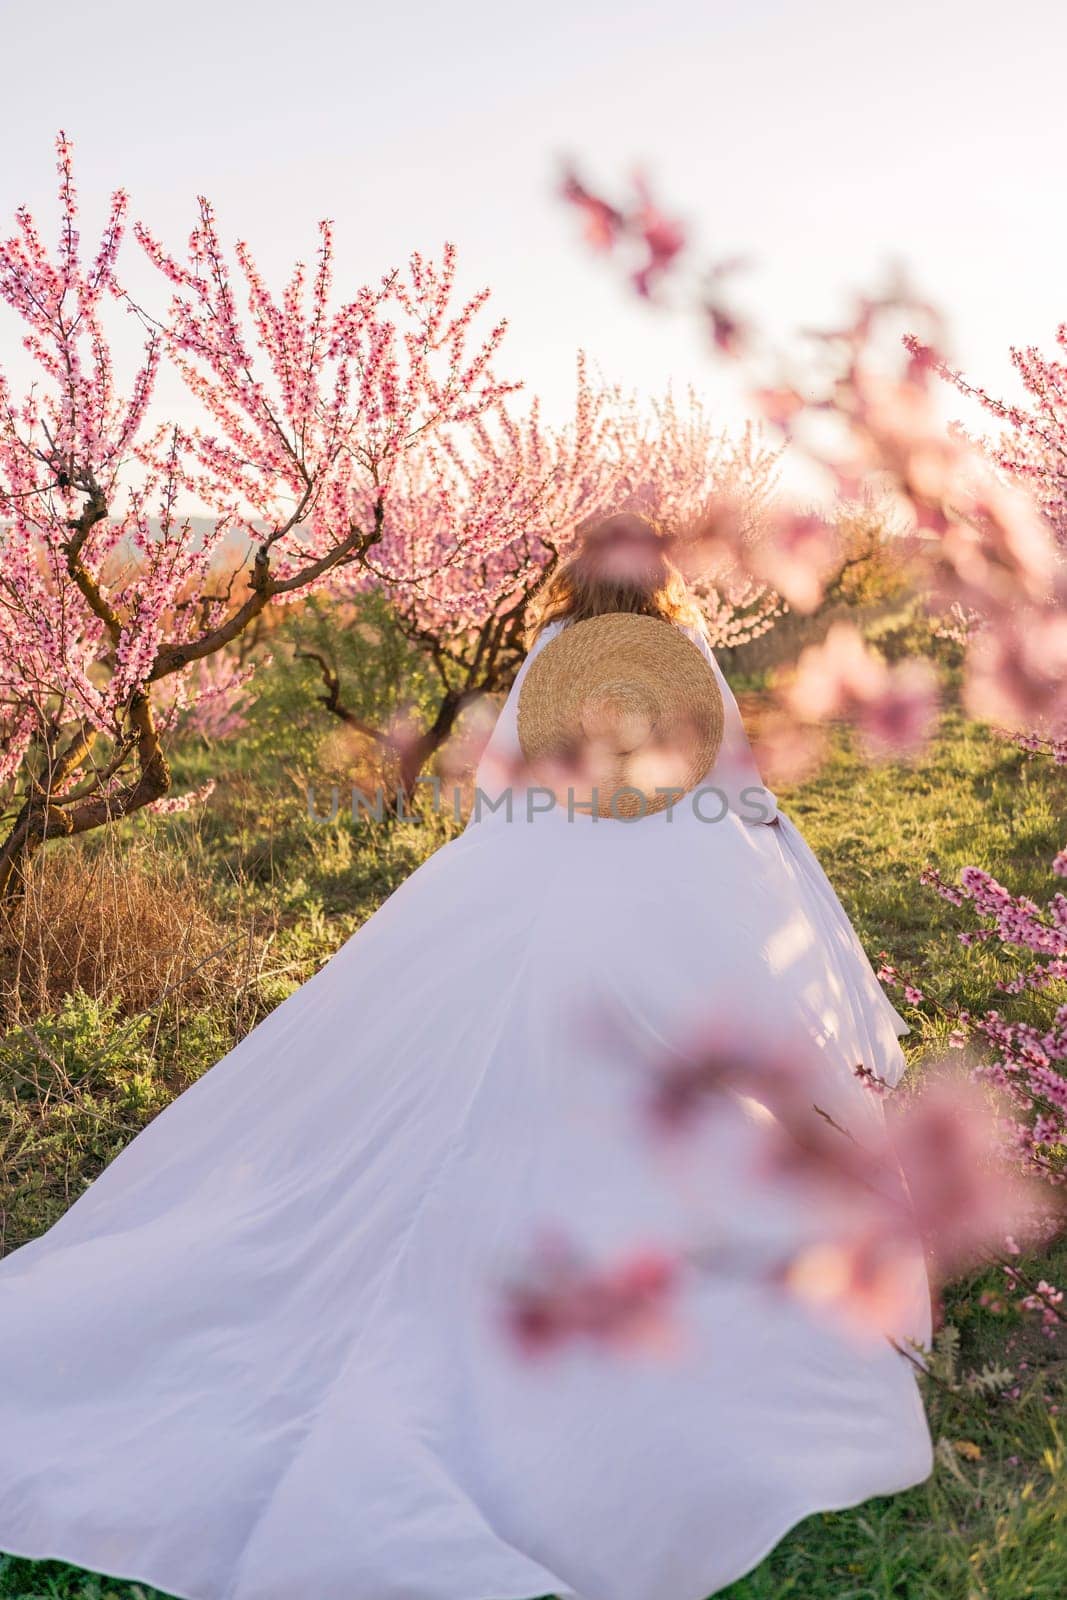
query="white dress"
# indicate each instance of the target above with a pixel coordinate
(263, 1356)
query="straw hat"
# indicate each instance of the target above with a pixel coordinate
(618, 707)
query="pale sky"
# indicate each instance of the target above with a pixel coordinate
(823, 141)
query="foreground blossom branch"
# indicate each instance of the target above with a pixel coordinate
(977, 546)
(879, 1189)
(982, 557)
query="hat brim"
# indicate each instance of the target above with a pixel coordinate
(646, 666)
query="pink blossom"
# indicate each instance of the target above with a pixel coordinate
(603, 222)
(309, 415)
(565, 1298)
(894, 706)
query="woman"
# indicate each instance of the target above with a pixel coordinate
(264, 1357)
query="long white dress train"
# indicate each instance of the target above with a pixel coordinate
(262, 1358)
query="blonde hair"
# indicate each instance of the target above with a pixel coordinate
(620, 565)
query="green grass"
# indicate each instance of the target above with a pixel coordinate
(991, 1524)
(986, 1533)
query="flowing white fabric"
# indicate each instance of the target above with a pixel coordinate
(262, 1356)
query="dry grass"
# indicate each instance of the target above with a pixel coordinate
(125, 922)
(120, 982)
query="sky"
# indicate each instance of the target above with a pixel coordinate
(823, 142)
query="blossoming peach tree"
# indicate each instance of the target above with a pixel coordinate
(538, 485)
(1032, 446)
(309, 413)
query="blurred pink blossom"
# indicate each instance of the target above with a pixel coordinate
(893, 706)
(563, 1297)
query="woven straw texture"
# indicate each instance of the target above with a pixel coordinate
(627, 700)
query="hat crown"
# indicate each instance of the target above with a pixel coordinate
(620, 715)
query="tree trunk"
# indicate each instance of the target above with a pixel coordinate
(47, 814)
(415, 755)
(412, 754)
